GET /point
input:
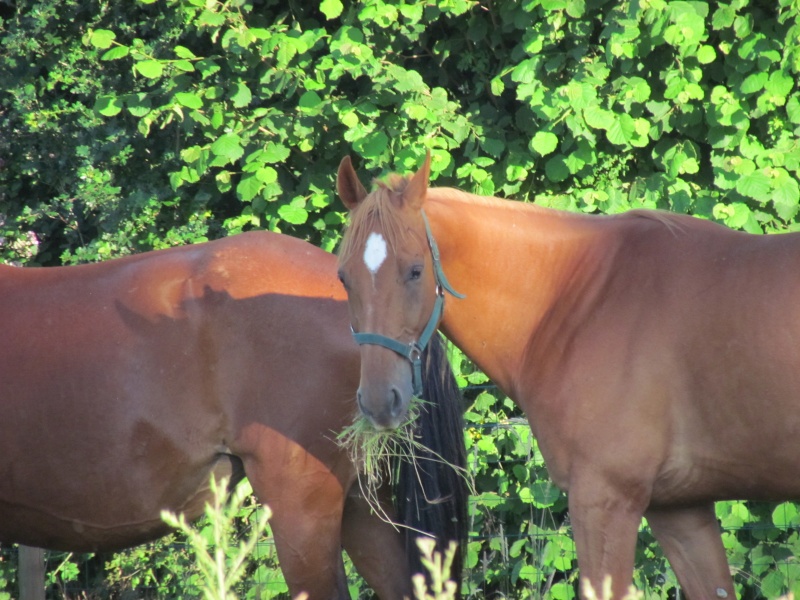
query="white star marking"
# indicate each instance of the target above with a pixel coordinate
(374, 252)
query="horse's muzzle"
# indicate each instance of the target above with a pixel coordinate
(388, 413)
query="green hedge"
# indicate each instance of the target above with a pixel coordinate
(127, 126)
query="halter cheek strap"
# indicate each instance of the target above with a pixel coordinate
(413, 350)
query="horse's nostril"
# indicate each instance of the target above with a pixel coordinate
(361, 406)
(396, 407)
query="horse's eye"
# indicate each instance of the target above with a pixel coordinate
(340, 275)
(416, 272)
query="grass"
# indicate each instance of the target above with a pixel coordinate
(373, 450)
(377, 454)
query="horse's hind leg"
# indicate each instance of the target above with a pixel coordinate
(375, 546)
(310, 553)
(307, 502)
(691, 540)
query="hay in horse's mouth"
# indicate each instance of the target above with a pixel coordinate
(377, 455)
(373, 450)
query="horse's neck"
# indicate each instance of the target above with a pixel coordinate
(526, 275)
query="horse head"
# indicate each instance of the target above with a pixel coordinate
(386, 265)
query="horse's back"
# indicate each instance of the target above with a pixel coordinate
(124, 382)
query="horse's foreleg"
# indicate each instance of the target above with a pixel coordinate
(375, 546)
(605, 522)
(691, 540)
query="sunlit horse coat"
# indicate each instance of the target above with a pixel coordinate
(656, 356)
(125, 384)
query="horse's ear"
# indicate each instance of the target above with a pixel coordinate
(348, 185)
(414, 194)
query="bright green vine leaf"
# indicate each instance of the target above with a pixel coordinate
(331, 8)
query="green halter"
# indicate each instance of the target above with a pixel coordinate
(413, 350)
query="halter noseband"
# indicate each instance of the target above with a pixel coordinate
(413, 350)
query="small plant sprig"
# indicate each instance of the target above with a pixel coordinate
(441, 587)
(221, 565)
(590, 592)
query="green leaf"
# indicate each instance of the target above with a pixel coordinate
(497, 86)
(309, 101)
(735, 215)
(530, 573)
(418, 112)
(493, 146)
(755, 185)
(102, 38)
(706, 55)
(779, 84)
(525, 72)
(383, 14)
(228, 146)
(372, 145)
(622, 130)
(559, 552)
(152, 69)
(773, 584)
(544, 142)
(248, 187)
(183, 65)
(754, 83)
(184, 52)
(793, 109)
(723, 17)
(210, 18)
(138, 104)
(108, 105)
(406, 80)
(562, 590)
(542, 494)
(785, 515)
(576, 8)
(785, 195)
(598, 118)
(191, 154)
(275, 153)
(189, 100)
(115, 53)
(331, 8)
(296, 215)
(267, 175)
(556, 169)
(241, 96)
(207, 67)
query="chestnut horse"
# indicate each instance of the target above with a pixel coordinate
(126, 384)
(657, 356)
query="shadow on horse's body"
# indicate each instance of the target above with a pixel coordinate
(125, 384)
(655, 355)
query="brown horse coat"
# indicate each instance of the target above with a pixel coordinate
(125, 384)
(656, 356)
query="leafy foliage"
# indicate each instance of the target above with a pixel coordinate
(147, 124)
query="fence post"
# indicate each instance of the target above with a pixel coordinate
(31, 573)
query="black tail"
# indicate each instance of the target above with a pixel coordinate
(431, 495)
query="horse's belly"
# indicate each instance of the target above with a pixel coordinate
(749, 474)
(101, 515)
